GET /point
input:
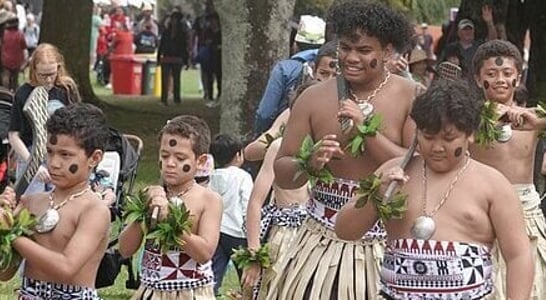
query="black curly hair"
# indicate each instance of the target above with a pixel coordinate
(496, 48)
(191, 127)
(83, 122)
(447, 102)
(224, 148)
(374, 19)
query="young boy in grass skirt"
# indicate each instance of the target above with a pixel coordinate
(71, 235)
(497, 70)
(281, 218)
(319, 264)
(183, 271)
(440, 248)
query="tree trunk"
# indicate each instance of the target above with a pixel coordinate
(254, 36)
(68, 26)
(537, 64)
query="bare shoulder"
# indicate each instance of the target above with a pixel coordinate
(95, 206)
(395, 162)
(209, 198)
(494, 181)
(321, 91)
(406, 88)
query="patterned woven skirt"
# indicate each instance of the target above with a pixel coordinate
(200, 293)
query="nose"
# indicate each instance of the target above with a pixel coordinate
(437, 147)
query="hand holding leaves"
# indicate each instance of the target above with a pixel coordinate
(12, 227)
(369, 190)
(309, 151)
(488, 131)
(244, 257)
(370, 127)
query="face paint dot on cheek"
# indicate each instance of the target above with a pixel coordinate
(186, 168)
(458, 151)
(172, 142)
(499, 61)
(53, 140)
(373, 63)
(486, 84)
(73, 169)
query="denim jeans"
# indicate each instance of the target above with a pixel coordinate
(221, 258)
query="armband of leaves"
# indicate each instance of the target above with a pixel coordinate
(369, 128)
(308, 147)
(12, 227)
(368, 190)
(168, 233)
(488, 131)
(243, 257)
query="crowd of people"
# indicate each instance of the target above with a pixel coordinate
(386, 173)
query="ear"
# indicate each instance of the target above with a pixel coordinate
(95, 158)
(471, 138)
(201, 161)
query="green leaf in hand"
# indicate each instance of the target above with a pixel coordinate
(369, 189)
(369, 128)
(307, 148)
(488, 132)
(168, 233)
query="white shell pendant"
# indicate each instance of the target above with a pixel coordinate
(48, 221)
(505, 134)
(423, 228)
(366, 108)
(176, 200)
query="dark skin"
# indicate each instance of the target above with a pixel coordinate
(186, 168)
(53, 140)
(499, 61)
(73, 168)
(172, 143)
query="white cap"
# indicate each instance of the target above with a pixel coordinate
(311, 30)
(147, 7)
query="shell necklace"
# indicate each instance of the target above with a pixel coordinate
(177, 199)
(49, 220)
(424, 226)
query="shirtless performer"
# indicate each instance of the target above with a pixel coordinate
(497, 70)
(441, 248)
(63, 256)
(320, 265)
(285, 215)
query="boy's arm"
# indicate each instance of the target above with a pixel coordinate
(262, 185)
(130, 239)
(512, 238)
(352, 223)
(201, 246)
(256, 150)
(92, 228)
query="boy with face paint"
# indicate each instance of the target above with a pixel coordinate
(184, 143)
(62, 258)
(321, 265)
(497, 71)
(445, 186)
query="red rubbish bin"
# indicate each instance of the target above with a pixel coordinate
(126, 74)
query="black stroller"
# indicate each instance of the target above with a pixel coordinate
(117, 171)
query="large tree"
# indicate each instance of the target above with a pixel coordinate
(67, 25)
(254, 36)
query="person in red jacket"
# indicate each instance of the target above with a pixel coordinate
(13, 53)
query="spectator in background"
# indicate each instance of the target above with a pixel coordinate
(146, 40)
(32, 34)
(201, 40)
(234, 185)
(424, 40)
(418, 66)
(173, 53)
(147, 19)
(213, 69)
(96, 22)
(13, 53)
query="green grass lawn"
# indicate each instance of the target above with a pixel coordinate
(144, 116)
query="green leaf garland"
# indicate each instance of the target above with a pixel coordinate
(307, 148)
(488, 132)
(243, 257)
(369, 191)
(12, 227)
(370, 128)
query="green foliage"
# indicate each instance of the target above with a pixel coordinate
(368, 190)
(168, 233)
(488, 131)
(12, 227)
(308, 147)
(369, 128)
(136, 210)
(243, 257)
